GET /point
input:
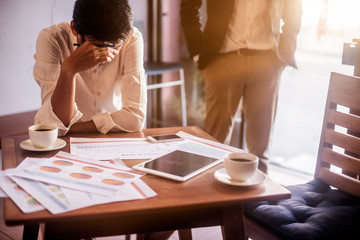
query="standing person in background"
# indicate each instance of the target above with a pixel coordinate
(90, 70)
(242, 51)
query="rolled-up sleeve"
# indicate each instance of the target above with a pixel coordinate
(48, 60)
(131, 117)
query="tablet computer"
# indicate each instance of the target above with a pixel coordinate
(177, 165)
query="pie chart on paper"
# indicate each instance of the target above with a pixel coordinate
(112, 182)
(80, 175)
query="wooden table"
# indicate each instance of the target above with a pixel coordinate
(199, 202)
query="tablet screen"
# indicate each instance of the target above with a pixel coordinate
(180, 163)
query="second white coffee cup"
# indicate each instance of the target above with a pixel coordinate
(42, 135)
(241, 166)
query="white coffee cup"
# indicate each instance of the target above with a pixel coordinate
(241, 166)
(43, 135)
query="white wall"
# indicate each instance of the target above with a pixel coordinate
(20, 20)
(20, 23)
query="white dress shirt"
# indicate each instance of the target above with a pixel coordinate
(112, 95)
(249, 27)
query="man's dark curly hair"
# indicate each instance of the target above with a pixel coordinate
(106, 20)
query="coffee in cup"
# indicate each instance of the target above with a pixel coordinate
(241, 166)
(43, 135)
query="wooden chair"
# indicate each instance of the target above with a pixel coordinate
(16, 124)
(327, 207)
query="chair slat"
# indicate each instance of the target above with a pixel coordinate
(344, 120)
(345, 141)
(347, 163)
(340, 181)
(347, 95)
(343, 90)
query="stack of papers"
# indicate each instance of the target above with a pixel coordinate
(69, 181)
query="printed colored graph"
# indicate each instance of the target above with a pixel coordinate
(112, 182)
(50, 169)
(63, 163)
(81, 175)
(92, 169)
(123, 175)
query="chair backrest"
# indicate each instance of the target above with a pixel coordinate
(338, 162)
(16, 124)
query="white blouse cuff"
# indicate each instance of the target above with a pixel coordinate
(103, 122)
(46, 115)
(64, 130)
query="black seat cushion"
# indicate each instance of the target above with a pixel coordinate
(314, 211)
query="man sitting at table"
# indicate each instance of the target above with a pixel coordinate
(90, 70)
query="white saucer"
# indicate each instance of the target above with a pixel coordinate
(27, 145)
(258, 178)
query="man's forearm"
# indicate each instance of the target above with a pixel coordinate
(88, 126)
(190, 21)
(63, 98)
(292, 17)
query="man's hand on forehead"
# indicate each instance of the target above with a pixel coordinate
(91, 53)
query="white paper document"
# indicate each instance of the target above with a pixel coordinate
(78, 173)
(135, 190)
(141, 148)
(60, 199)
(20, 197)
(213, 148)
(205, 147)
(2, 193)
(123, 148)
(48, 195)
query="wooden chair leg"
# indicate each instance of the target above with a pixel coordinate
(185, 234)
